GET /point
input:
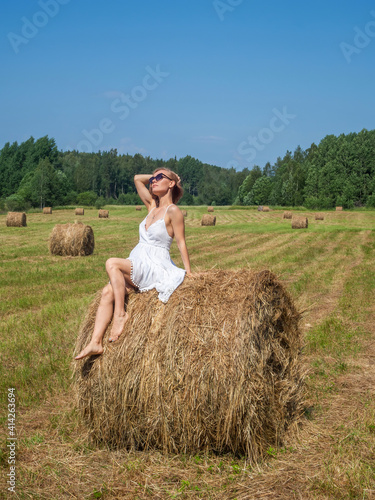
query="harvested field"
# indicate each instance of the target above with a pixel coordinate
(329, 272)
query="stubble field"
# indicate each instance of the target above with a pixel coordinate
(328, 269)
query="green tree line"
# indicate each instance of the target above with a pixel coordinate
(338, 171)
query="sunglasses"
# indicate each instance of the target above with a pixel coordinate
(158, 177)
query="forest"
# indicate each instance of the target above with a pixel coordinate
(338, 171)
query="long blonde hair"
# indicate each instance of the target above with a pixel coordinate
(177, 190)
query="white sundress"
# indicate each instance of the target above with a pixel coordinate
(151, 263)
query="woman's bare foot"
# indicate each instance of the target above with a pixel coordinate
(90, 350)
(118, 325)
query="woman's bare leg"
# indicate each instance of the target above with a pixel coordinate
(103, 317)
(119, 271)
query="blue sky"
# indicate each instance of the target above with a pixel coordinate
(229, 82)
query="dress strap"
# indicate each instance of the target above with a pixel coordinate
(167, 209)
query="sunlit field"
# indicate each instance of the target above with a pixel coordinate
(328, 268)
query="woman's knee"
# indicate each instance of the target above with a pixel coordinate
(107, 293)
(110, 264)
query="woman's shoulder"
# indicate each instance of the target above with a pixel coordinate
(174, 209)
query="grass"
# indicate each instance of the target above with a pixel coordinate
(328, 269)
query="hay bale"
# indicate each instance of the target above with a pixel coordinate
(216, 368)
(47, 210)
(103, 214)
(300, 222)
(208, 220)
(184, 213)
(338, 209)
(266, 209)
(260, 208)
(72, 239)
(80, 211)
(210, 209)
(16, 219)
(319, 216)
(287, 215)
(138, 207)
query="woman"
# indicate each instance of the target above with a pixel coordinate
(149, 264)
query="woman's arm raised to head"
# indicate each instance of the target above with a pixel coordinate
(178, 224)
(140, 181)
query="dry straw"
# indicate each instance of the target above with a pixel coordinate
(208, 220)
(338, 209)
(216, 368)
(210, 209)
(138, 207)
(265, 209)
(103, 214)
(300, 222)
(319, 216)
(16, 219)
(80, 211)
(47, 210)
(72, 239)
(287, 215)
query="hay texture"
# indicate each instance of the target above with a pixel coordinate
(287, 215)
(210, 209)
(300, 222)
(80, 211)
(103, 214)
(265, 209)
(208, 220)
(47, 210)
(138, 207)
(72, 239)
(216, 368)
(16, 219)
(338, 209)
(319, 216)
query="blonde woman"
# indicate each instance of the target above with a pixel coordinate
(149, 265)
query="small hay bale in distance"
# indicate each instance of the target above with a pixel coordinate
(319, 216)
(80, 211)
(138, 207)
(103, 214)
(47, 210)
(208, 220)
(192, 375)
(72, 239)
(16, 219)
(210, 209)
(265, 209)
(300, 222)
(184, 213)
(287, 215)
(338, 209)
(260, 208)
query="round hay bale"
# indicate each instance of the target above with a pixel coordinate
(300, 222)
(287, 215)
(338, 209)
(319, 216)
(266, 209)
(210, 209)
(47, 210)
(16, 219)
(193, 375)
(184, 213)
(80, 211)
(138, 207)
(208, 220)
(72, 239)
(103, 214)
